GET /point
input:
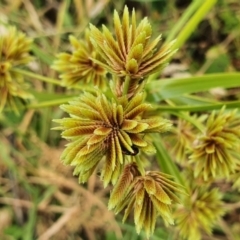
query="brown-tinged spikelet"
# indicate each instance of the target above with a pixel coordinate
(99, 127)
(148, 195)
(214, 152)
(78, 67)
(199, 213)
(130, 52)
(14, 52)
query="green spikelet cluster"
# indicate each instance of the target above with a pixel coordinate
(78, 66)
(130, 52)
(147, 195)
(99, 127)
(14, 52)
(199, 213)
(214, 152)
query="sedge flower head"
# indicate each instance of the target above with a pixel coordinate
(214, 152)
(77, 67)
(148, 195)
(199, 213)
(181, 138)
(99, 127)
(14, 52)
(130, 52)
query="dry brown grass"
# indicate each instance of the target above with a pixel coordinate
(68, 208)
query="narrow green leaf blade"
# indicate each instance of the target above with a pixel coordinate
(169, 88)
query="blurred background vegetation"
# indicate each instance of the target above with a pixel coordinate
(39, 197)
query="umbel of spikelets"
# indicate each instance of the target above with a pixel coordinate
(130, 52)
(78, 67)
(214, 152)
(146, 195)
(14, 52)
(99, 128)
(199, 213)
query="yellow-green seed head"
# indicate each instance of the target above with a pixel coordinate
(148, 195)
(214, 152)
(130, 52)
(199, 213)
(14, 52)
(99, 127)
(78, 66)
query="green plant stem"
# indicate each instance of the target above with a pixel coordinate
(193, 22)
(186, 26)
(166, 163)
(43, 56)
(51, 80)
(205, 107)
(49, 103)
(190, 119)
(34, 75)
(126, 85)
(183, 20)
(187, 117)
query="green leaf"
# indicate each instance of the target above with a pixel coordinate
(220, 64)
(170, 88)
(192, 100)
(29, 227)
(43, 56)
(15, 231)
(191, 25)
(183, 20)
